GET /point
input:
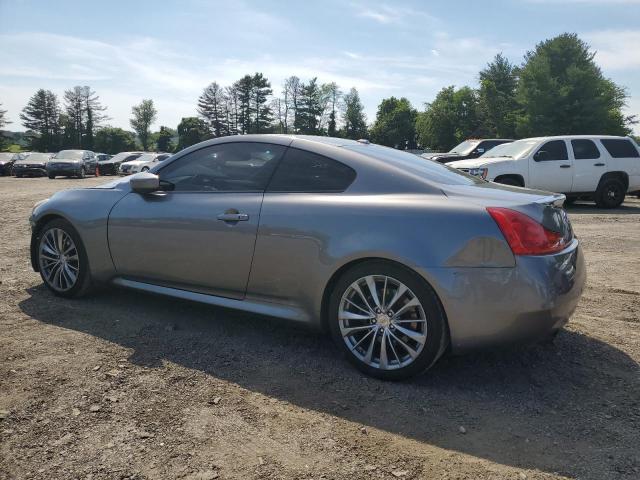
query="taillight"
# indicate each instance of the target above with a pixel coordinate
(524, 235)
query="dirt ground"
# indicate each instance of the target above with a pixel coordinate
(129, 385)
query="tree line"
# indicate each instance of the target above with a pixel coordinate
(558, 89)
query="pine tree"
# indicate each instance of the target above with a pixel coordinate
(309, 109)
(83, 115)
(212, 108)
(260, 90)
(497, 96)
(355, 123)
(42, 116)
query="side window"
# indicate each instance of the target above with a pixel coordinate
(584, 149)
(553, 150)
(620, 148)
(227, 167)
(302, 171)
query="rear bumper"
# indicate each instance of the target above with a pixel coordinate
(108, 168)
(493, 306)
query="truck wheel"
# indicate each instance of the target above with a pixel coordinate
(610, 193)
(509, 181)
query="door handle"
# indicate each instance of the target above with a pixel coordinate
(565, 166)
(598, 164)
(233, 217)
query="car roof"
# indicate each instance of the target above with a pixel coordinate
(577, 137)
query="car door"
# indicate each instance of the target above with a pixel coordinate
(550, 167)
(588, 166)
(199, 232)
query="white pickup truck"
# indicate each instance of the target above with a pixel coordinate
(598, 167)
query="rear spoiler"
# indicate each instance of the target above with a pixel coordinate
(556, 199)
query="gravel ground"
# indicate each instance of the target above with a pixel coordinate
(128, 385)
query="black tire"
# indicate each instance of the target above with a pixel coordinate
(51, 177)
(83, 282)
(437, 337)
(18, 175)
(82, 173)
(610, 193)
(144, 169)
(509, 181)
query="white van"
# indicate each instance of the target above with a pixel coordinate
(598, 167)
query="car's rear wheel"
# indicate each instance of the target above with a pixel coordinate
(82, 173)
(51, 177)
(62, 260)
(610, 193)
(387, 320)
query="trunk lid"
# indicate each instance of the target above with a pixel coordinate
(544, 207)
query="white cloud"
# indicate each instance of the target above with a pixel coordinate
(616, 49)
(392, 14)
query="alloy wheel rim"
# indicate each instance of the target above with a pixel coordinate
(382, 322)
(59, 259)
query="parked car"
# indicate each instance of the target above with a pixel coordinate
(7, 159)
(471, 148)
(143, 163)
(399, 258)
(112, 165)
(33, 164)
(72, 163)
(103, 157)
(602, 168)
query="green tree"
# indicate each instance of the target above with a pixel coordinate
(191, 130)
(260, 92)
(164, 139)
(114, 140)
(83, 114)
(211, 107)
(144, 115)
(354, 120)
(449, 119)
(309, 108)
(42, 116)
(395, 124)
(562, 91)
(497, 97)
(3, 123)
(335, 96)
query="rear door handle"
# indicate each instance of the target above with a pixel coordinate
(233, 217)
(598, 164)
(565, 166)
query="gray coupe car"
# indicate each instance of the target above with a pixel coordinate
(399, 257)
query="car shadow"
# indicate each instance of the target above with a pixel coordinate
(570, 408)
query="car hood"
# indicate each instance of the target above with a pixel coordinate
(431, 155)
(479, 162)
(25, 161)
(64, 160)
(137, 162)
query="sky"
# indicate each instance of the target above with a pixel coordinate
(170, 51)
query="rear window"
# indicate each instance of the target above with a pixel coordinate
(302, 171)
(620, 148)
(429, 169)
(584, 149)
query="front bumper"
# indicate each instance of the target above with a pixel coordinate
(64, 169)
(492, 306)
(29, 170)
(108, 168)
(5, 168)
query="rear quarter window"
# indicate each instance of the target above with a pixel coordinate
(620, 148)
(307, 172)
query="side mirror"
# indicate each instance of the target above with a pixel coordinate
(145, 182)
(541, 156)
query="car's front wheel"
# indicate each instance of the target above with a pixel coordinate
(62, 260)
(387, 320)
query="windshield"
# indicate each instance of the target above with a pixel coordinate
(124, 156)
(69, 155)
(147, 157)
(434, 171)
(37, 157)
(465, 147)
(517, 149)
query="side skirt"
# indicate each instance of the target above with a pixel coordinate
(261, 308)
